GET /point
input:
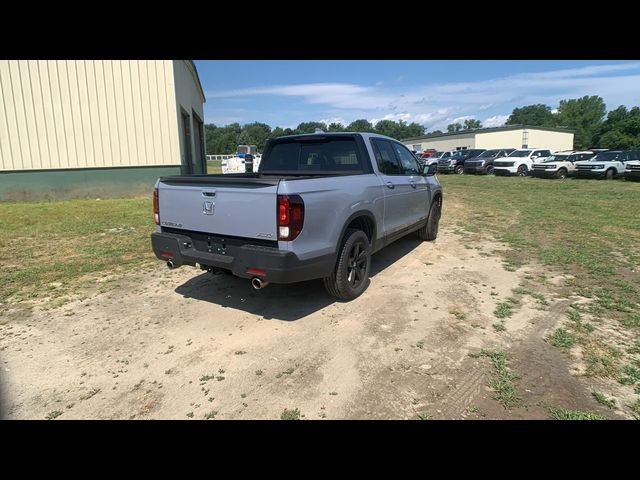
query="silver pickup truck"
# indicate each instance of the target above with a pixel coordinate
(318, 207)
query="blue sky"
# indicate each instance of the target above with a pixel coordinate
(433, 93)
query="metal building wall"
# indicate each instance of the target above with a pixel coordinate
(57, 114)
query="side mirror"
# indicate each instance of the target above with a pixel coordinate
(430, 170)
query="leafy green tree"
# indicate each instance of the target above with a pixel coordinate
(621, 129)
(336, 127)
(538, 115)
(255, 134)
(310, 127)
(472, 123)
(584, 116)
(277, 132)
(388, 128)
(412, 130)
(454, 127)
(361, 126)
(222, 140)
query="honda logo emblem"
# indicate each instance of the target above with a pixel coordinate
(208, 207)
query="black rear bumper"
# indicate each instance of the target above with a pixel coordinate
(280, 266)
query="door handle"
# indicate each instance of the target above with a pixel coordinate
(390, 185)
(413, 184)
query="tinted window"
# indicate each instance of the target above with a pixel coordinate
(634, 155)
(322, 155)
(606, 156)
(385, 157)
(407, 161)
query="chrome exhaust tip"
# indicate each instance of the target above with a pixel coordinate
(170, 265)
(258, 283)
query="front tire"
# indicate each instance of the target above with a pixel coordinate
(610, 174)
(562, 174)
(351, 275)
(430, 230)
(522, 171)
(459, 169)
(489, 170)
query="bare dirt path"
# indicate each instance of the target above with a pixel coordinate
(183, 344)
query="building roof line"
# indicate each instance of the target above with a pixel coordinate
(194, 72)
(490, 129)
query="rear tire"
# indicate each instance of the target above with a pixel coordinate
(351, 274)
(430, 230)
(562, 174)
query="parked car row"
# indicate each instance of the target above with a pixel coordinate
(539, 162)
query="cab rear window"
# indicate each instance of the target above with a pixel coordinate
(309, 155)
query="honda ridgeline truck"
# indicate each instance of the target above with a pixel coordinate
(318, 207)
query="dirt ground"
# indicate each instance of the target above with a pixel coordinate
(186, 344)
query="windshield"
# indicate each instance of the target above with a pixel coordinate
(605, 157)
(489, 153)
(557, 158)
(520, 153)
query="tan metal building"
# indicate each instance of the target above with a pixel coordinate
(510, 136)
(97, 127)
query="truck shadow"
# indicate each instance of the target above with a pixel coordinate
(281, 302)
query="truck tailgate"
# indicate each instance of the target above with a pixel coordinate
(230, 207)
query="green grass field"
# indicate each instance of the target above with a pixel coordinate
(214, 166)
(587, 229)
(48, 247)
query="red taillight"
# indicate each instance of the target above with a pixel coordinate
(156, 207)
(290, 216)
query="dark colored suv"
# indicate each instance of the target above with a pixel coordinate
(483, 163)
(455, 163)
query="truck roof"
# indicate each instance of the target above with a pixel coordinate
(329, 134)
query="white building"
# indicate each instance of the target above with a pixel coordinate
(509, 136)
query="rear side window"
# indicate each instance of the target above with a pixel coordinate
(324, 154)
(386, 157)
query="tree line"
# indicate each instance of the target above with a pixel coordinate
(221, 140)
(586, 116)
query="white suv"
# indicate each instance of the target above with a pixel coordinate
(560, 164)
(607, 165)
(520, 162)
(632, 172)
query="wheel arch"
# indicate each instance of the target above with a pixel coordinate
(362, 220)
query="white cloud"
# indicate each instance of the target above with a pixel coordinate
(495, 121)
(331, 120)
